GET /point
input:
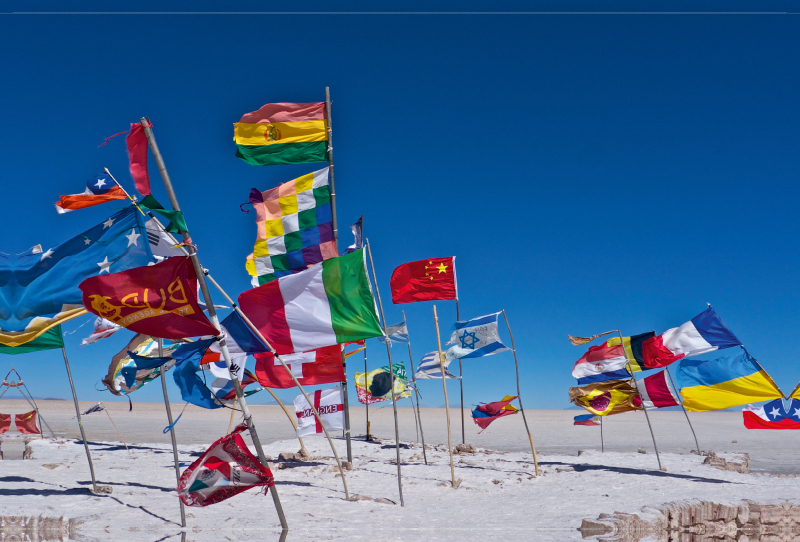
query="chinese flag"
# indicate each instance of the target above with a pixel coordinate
(426, 280)
(26, 423)
(158, 300)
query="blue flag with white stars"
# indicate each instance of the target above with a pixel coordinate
(40, 290)
(475, 338)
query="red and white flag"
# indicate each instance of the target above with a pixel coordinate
(330, 405)
(100, 189)
(655, 391)
(102, 329)
(320, 366)
(224, 470)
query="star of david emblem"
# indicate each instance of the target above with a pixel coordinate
(469, 340)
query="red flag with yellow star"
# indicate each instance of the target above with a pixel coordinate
(426, 280)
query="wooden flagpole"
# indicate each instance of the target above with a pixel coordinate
(233, 412)
(212, 313)
(115, 428)
(446, 402)
(519, 397)
(460, 381)
(416, 391)
(391, 374)
(602, 443)
(336, 245)
(172, 429)
(80, 423)
(365, 383)
(646, 415)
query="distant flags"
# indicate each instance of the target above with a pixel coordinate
(358, 235)
(41, 290)
(586, 419)
(295, 227)
(486, 413)
(224, 470)
(283, 133)
(158, 300)
(655, 391)
(321, 366)
(733, 378)
(425, 280)
(100, 189)
(475, 338)
(606, 398)
(776, 414)
(330, 405)
(704, 333)
(328, 303)
(429, 367)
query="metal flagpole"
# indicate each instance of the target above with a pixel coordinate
(416, 391)
(683, 408)
(391, 373)
(258, 333)
(171, 429)
(460, 382)
(80, 423)
(602, 444)
(519, 397)
(365, 384)
(336, 245)
(446, 402)
(212, 313)
(33, 404)
(646, 415)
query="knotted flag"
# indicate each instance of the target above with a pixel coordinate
(424, 280)
(475, 338)
(224, 470)
(100, 189)
(158, 300)
(486, 413)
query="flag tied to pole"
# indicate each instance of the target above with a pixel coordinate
(486, 413)
(475, 338)
(424, 280)
(430, 368)
(330, 405)
(100, 189)
(224, 470)
(398, 333)
(158, 300)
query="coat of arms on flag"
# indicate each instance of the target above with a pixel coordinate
(224, 470)
(329, 404)
(376, 386)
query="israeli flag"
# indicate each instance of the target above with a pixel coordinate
(475, 338)
(429, 367)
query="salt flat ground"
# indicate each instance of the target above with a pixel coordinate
(498, 498)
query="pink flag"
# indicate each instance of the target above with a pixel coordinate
(137, 154)
(655, 391)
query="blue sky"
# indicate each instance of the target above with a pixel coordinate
(590, 172)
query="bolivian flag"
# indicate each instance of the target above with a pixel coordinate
(732, 378)
(283, 133)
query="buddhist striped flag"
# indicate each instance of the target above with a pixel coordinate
(328, 303)
(283, 133)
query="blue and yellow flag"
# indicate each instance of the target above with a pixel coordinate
(730, 379)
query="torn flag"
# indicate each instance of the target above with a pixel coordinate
(486, 413)
(655, 391)
(224, 470)
(429, 367)
(704, 333)
(136, 141)
(102, 329)
(329, 404)
(100, 189)
(606, 398)
(774, 415)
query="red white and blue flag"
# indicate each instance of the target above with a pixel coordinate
(486, 413)
(224, 470)
(586, 419)
(704, 333)
(773, 415)
(100, 189)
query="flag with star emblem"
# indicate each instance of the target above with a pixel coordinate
(321, 366)
(774, 415)
(158, 300)
(224, 470)
(606, 398)
(475, 338)
(425, 280)
(295, 227)
(100, 189)
(40, 290)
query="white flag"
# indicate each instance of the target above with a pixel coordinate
(329, 404)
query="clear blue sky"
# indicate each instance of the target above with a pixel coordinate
(589, 172)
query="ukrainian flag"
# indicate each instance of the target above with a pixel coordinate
(732, 378)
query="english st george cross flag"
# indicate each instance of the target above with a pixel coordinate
(321, 366)
(329, 404)
(224, 470)
(424, 280)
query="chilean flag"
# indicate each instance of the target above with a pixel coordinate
(705, 332)
(773, 415)
(100, 189)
